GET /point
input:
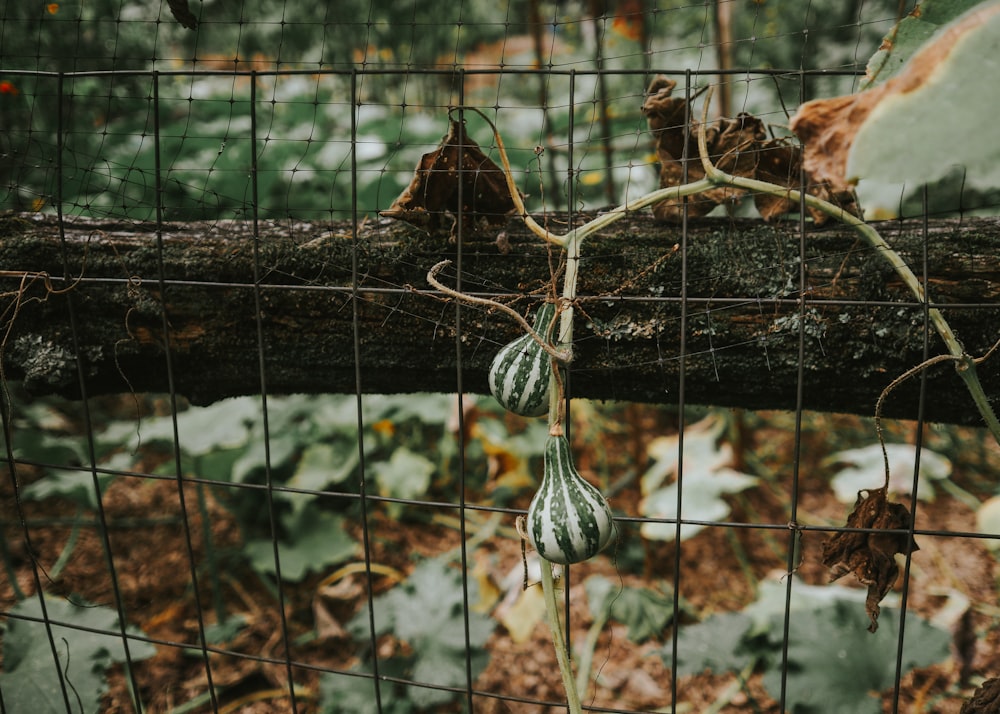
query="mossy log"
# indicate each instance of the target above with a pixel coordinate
(219, 309)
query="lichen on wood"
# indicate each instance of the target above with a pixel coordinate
(743, 310)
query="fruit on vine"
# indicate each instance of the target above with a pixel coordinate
(568, 520)
(521, 371)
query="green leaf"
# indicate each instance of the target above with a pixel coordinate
(323, 464)
(910, 33)
(427, 612)
(56, 449)
(769, 607)
(835, 665)
(426, 408)
(644, 611)
(30, 680)
(865, 469)
(702, 500)
(344, 694)
(406, 474)
(77, 486)
(918, 135)
(200, 430)
(315, 540)
(717, 644)
(704, 452)
(281, 448)
(220, 632)
(707, 476)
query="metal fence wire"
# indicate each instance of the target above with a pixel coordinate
(251, 460)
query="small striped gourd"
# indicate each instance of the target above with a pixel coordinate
(568, 520)
(520, 373)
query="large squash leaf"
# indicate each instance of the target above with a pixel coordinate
(30, 682)
(910, 34)
(919, 134)
(834, 665)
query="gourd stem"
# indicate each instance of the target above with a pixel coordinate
(558, 641)
(542, 340)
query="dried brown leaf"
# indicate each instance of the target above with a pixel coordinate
(730, 144)
(826, 127)
(985, 700)
(870, 554)
(738, 146)
(662, 109)
(433, 193)
(780, 162)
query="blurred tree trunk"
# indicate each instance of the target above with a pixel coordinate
(327, 293)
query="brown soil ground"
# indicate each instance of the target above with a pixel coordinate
(718, 571)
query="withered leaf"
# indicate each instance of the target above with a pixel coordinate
(665, 114)
(871, 555)
(738, 146)
(985, 700)
(676, 149)
(780, 162)
(433, 193)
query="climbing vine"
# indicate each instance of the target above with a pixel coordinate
(576, 524)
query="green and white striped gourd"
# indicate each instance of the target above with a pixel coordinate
(520, 373)
(568, 520)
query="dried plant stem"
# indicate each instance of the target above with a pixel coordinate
(937, 359)
(885, 393)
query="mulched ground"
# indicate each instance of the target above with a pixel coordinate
(718, 572)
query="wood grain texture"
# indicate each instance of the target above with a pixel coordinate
(287, 306)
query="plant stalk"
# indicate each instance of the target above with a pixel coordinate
(558, 641)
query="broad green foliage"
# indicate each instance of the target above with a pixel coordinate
(312, 541)
(834, 664)
(355, 694)
(426, 612)
(407, 474)
(864, 468)
(706, 478)
(77, 486)
(305, 145)
(30, 682)
(43, 434)
(645, 611)
(910, 33)
(920, 136)
(311, 445)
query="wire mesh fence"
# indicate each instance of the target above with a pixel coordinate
(249, 466)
